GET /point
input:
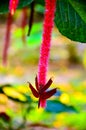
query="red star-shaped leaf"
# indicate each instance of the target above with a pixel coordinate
(40, 91)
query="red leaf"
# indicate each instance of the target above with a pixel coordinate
(48, 94)
(35, 93)
(36, 83)
(47, 85)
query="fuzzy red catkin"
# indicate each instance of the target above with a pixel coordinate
(7, 39)
(50, 6)
(13, 5)
(40, 91)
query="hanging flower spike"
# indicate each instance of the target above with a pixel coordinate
(46, 39)
(40, 82)
(12, 6)
(50, 6)
(40, 91)
(7, 39)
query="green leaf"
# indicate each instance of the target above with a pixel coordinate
(57, 107)
(4, 5)
(80, 8)
(71, 19)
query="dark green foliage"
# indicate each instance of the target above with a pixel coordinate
(71, 19)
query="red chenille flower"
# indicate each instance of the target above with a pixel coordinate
(13, 5)
(50, 6)
(40, 81)
(40, 91)
(7, 39)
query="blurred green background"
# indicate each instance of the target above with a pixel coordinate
(66, 110)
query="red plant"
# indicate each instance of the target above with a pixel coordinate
(41, 93)
(7, 39)
(13, 5)
(46, 39)
(41, 85)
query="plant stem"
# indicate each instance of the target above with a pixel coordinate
(24, 23)
(30, 23)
